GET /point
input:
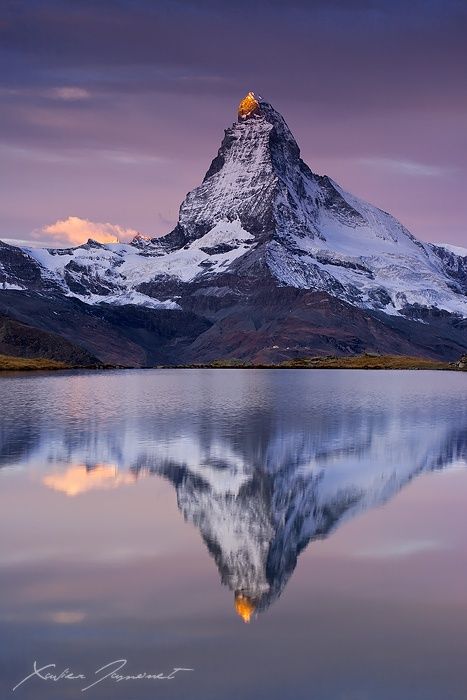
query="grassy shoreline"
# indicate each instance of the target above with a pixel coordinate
(9, 363)
(379, 362)
(27, 364)
(397, 362)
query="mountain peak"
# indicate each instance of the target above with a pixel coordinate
(244, 606)
(248, 107)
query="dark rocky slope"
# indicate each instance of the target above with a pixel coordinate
(26, 341)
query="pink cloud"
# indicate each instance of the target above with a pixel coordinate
(74, 231)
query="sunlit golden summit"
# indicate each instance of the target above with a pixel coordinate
(244, 606)
(248, 106)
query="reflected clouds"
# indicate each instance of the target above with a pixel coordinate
(79, 478)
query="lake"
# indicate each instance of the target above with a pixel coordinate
(283, 533)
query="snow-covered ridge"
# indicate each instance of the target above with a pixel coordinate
(110, 273)
(456, 249)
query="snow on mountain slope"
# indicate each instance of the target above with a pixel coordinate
(112, 272)
(372, 261)
(456, 249)
(240, 183)
(261, 208)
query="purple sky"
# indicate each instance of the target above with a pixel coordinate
(112, 111)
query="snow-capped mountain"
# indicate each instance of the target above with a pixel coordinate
(260, 219)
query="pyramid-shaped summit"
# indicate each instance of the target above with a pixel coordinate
(248, 107)
(257, 161)
(271, 260)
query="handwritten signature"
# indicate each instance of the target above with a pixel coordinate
(109, 672)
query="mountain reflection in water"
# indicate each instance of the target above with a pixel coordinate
(258, 484)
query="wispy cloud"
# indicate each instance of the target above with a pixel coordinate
(69, 93)
(72, 156)
(407, 167)
(404, 548)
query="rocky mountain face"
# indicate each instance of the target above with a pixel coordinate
(275, 260)
(21, 340)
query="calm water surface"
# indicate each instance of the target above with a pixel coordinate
(285, 534)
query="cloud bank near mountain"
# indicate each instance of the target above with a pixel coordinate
(74, 231)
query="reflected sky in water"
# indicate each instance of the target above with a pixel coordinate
(148, 515)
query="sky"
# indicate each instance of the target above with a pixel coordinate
(111, 111)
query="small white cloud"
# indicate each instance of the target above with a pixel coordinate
(406, 167)
(74, 231)
(70, 93)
